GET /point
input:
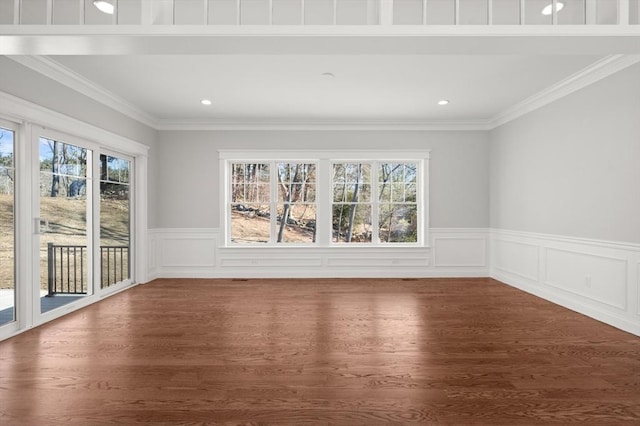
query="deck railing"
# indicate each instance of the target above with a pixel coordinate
(322, 12)
(67, 265)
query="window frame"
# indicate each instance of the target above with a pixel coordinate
(324, 161)
(376, 203)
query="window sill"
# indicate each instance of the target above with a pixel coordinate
(330, 247)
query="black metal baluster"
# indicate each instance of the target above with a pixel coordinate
(121, 264)
(75, 274)
(82, 269)
(68, 271)
(108, 268)
(51, 259)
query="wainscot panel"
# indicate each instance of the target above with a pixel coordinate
(600, 278)
(637, 289)
(273, 262)
(200, 253)
(593, 277)
(516, 258)
(460, 251)
(188, 253)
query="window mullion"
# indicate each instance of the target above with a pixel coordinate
(273, 202)
(375, 205)
(324, 202)
(422, 201)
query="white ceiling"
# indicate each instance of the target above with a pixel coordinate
(291, 87)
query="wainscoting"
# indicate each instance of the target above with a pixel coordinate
(600, 279)
(199, 253)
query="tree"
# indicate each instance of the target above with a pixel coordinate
(6, 161)
(386, 214)
(287, 185)
(293, 180)
(55, 168)
(352, 207)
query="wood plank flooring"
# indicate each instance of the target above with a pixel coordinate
(343, 352)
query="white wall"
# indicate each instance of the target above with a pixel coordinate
(572, 168)
(189, 243)
(187, 170)
(565, 201)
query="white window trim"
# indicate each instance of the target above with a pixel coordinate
(324, 159)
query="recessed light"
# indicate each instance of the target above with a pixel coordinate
(328, 75)
(443, 102)
(548, 9)
(206, 102)
(105, 6)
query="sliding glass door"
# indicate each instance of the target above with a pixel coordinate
(115, 221)
(71, 266)
(67, 209)
(7, 224)
(64, 223)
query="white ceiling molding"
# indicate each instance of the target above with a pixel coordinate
(77, 82)
(587, 76)
(24, 111)
(416, 125)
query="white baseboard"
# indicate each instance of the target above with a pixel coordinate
(199, 253)
(600, 279)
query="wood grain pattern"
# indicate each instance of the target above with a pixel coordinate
(343, 352)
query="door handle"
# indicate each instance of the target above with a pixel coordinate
(37, 228)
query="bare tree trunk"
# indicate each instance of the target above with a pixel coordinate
(55, 169)
(352, 208)
(290, 197)
(104, 172)
(283, 221)
(339, 222)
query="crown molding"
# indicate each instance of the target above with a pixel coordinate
(337, 124)
(591, 74)
(23, 111)
(63, 75)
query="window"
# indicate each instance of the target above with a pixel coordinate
(252, 190)
(398, 202)
(296, 220)
(299, 199)
(386, 212)
(352, 203)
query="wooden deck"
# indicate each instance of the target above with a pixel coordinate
(344, 352)
(46, 304)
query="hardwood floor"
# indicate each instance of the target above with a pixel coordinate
(344, 352)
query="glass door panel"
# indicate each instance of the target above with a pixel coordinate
(115, 219)
(7, 228)
(65, 249)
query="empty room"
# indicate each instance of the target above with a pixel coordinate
(349, 212)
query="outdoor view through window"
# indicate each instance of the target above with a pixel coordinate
(370, 202)
(7, 238)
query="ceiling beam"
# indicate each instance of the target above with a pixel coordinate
(387, 40)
